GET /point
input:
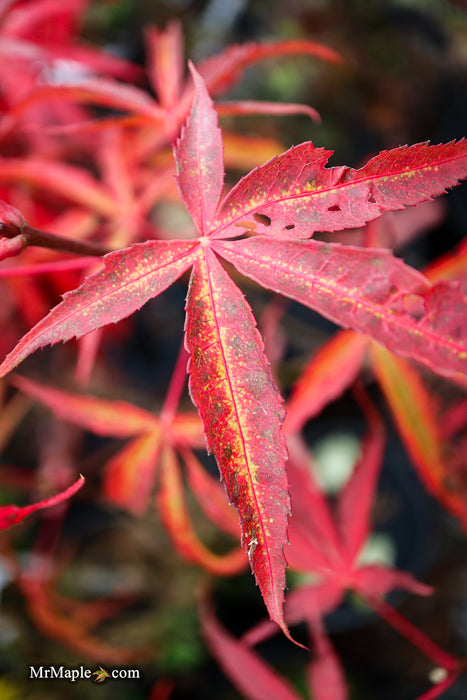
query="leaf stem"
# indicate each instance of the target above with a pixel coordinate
(49, 240)
(36, 237)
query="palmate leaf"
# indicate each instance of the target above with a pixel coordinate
(166, 76)
(330, 540)
(129, 474)
(367, 290)
(327, 542)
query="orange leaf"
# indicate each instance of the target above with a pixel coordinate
(415, 415)
(130, 474)
(327, 375)
(174, 515)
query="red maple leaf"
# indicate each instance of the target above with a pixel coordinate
(162, 117)
(326, 545)
(282, 203)
(152, 452)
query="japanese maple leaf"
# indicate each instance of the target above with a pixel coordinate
(330, 546)
(165, 70)
(152, 452)
(283, 202)
(101, 675)
(325, 544)
(325, 678)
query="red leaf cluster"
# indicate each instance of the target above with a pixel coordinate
(393, 315)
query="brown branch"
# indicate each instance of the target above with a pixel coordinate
(36, 237)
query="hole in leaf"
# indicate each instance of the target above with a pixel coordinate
(371, 199)
(289, 227)
(335, 207)
(262, 219)
(248, 225)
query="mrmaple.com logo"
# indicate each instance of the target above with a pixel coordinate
(81, 673)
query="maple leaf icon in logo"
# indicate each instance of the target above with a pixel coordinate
(101, 675)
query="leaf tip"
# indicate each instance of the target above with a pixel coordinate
(287, 633)
(197, 79)
(201, 90)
